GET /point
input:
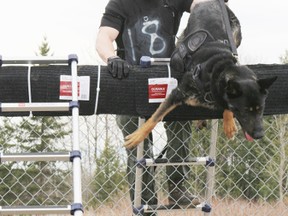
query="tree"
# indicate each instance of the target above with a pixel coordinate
(244, 169)
(31, 183)
(256, 170)
(44, 48)
(108, 178)
(284, 58)
(281, 124)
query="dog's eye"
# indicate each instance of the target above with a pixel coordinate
(253, 109)
(249, 109)
(259, 109)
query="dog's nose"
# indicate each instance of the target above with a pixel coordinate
(258, 134)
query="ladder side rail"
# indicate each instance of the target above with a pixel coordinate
(138, 174)
(211, 170)
(77, 186)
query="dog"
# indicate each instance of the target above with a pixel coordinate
(212, 77)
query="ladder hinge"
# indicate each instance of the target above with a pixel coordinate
(141, 163)
(75, 207)
(74, 154)
(72, 57)
(73, 104)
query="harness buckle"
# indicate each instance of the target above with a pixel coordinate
(208, 97)
(196, 72)
(235, 56)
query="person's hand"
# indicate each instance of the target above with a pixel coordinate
(118, 67)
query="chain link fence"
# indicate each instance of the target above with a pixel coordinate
(250, 178)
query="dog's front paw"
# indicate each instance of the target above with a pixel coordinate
(229, 125)
(134, 139)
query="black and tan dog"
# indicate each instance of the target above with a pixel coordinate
(212, 77)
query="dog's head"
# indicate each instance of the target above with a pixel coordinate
(245, 96)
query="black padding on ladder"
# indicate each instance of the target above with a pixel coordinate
(181, 113)
(117, 96)
(45, 84)
(13, 85)
(128, 96)
(277, 101)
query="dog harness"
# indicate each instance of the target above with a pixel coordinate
(186, 51)
(191, 44)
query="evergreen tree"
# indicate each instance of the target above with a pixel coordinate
(281, 124)
(109, 180)
(247, 169)
(34, 183)
(44, 48)
(256, 170)
(284, 58)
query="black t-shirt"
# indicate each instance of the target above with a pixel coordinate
(147, 27)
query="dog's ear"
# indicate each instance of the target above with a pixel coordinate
(265, 83)
(233, 89)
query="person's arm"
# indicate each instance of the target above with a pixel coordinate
(117, 67)
(104, 42)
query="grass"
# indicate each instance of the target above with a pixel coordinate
(219, 208)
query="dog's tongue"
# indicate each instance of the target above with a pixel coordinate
(248, 137)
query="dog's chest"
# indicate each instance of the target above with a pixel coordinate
(197, 89)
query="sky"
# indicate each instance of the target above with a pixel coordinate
(71, 27)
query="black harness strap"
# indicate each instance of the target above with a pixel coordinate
(208, 97)
(197, 69)
(228, 28)
(190, 44)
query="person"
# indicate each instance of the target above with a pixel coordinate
(147, 28)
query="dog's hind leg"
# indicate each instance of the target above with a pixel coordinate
(229, 125)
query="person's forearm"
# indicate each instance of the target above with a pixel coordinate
(105, 50)
(104, 45)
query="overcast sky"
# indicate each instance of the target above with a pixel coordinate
(71, 27)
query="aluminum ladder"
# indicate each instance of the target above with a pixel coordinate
(209, 161)
(76, 208)
(139, 209)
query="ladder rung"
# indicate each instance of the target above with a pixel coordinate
(146, 61)
(43, 156)
(165, 162)
(8, 210)
(26, 107)
(35, 60)
(152, 208)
